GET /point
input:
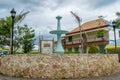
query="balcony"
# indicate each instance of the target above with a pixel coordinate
(92, 39)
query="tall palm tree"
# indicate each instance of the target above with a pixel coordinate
(83, 36)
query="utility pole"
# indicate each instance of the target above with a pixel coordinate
(114, 25)
(39, 43)
(13, 12)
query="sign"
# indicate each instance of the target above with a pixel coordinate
(47, 46)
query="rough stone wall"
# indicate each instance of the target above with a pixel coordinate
(59, 65)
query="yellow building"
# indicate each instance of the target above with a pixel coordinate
(91, 32)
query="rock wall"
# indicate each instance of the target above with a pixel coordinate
(59, 65)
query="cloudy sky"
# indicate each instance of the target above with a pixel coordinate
(43, 12)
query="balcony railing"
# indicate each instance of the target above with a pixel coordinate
(88, 40)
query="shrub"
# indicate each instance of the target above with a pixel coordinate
(93, 49)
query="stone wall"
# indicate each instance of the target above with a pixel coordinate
(59, 65)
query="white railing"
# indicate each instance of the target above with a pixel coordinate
(88, 40)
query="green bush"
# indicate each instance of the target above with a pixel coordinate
(93, 49)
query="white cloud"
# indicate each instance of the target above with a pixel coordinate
(43, 12)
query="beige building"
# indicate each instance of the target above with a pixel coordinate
(94, 32)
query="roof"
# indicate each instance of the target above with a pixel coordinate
(91, 25)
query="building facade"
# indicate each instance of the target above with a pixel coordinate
(95, 32)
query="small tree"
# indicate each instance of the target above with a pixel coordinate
(25, 38)
(100, 33)
(93, 49)
(28, 39)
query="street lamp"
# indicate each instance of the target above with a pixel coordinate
(114, 25)
(13, 12)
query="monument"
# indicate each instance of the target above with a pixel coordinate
(59, 32)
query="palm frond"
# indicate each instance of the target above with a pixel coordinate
(77, 17)
(20, 17)
(83, 35)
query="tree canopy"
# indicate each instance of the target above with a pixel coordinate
(23, 35)
(6, 25)
(118, 19)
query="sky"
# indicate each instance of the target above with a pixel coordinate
(42, 16)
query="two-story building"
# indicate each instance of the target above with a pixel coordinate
(92, 31)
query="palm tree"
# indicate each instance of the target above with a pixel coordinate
(83, 36)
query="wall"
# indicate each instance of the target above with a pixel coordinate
(59, 65)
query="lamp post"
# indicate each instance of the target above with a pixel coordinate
(13, 12)
(114, 25)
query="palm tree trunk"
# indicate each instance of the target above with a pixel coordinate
(81, 38)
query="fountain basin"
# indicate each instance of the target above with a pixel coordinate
(58, 32)
(59, 65)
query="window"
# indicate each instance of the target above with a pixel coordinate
(69, 49)
(76, 49)
(70, 38)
